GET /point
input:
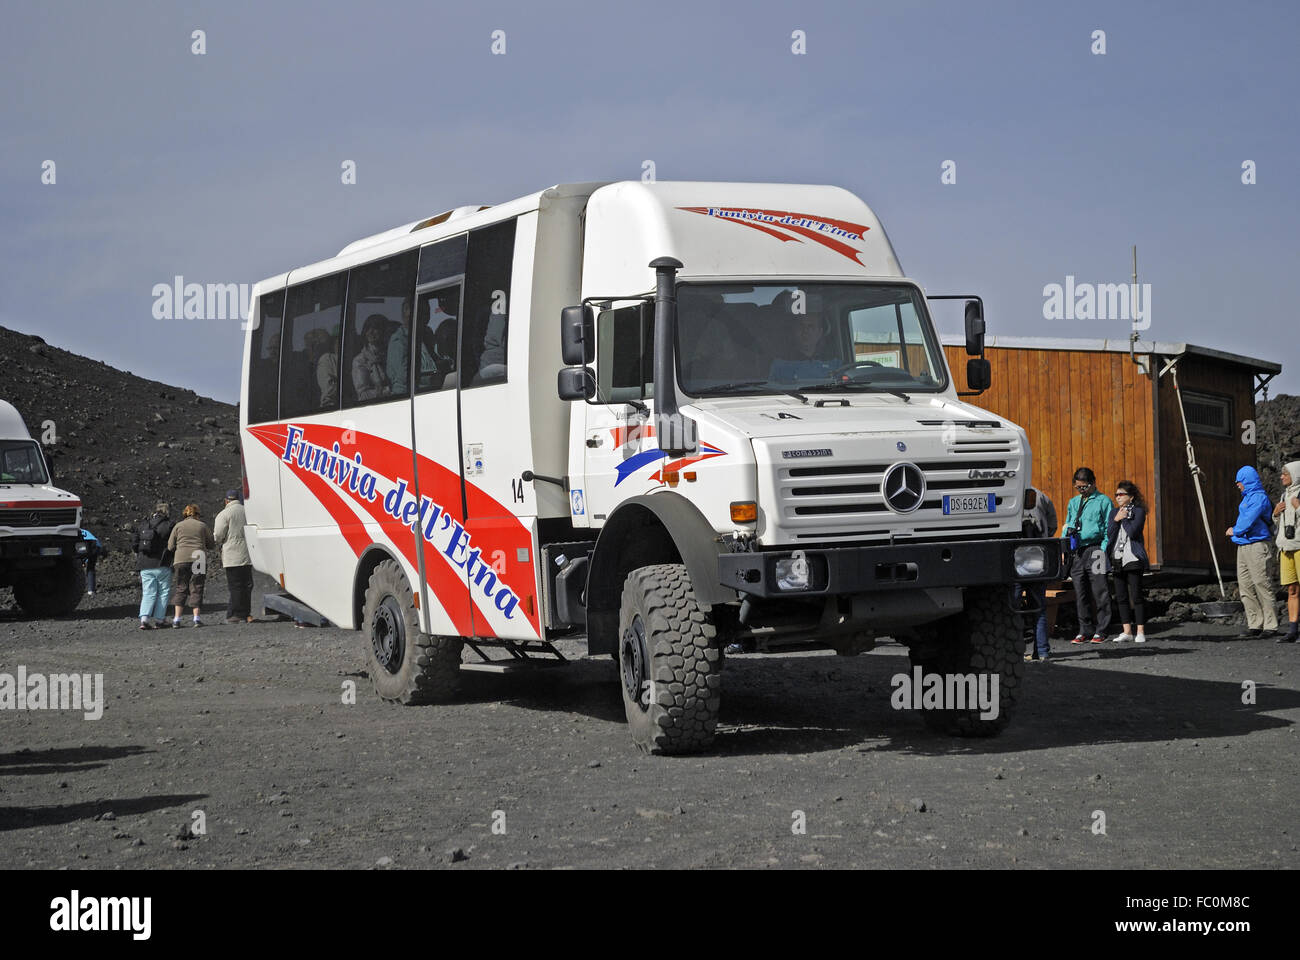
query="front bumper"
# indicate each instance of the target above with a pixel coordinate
(25, 551)
(848, 570)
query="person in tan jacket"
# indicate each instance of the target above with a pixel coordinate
(228, 531)
(189, 542)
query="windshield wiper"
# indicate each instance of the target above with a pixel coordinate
(742, 385)
(735, 387)
(851, 385)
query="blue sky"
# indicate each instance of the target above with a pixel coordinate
(225, 167)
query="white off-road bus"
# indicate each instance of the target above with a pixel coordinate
(685, 420)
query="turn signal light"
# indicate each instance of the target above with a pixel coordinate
(744, 511)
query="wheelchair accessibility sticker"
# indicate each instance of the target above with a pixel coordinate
(575, 498)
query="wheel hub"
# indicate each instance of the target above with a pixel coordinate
(632, 658)
(387, 635)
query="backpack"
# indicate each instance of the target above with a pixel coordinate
(152, 543)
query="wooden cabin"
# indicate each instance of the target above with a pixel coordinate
(1092, 403)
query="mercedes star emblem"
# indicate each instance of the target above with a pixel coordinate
(903, 487)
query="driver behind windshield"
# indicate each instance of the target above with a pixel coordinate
(811, 353)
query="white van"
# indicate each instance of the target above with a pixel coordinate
(679, 418)
(40, 526)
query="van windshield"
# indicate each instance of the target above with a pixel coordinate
(20, 462)
(736, 338)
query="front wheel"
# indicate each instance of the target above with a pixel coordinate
(982, 642)
(405, 666)
(669, 662)
(53, 591)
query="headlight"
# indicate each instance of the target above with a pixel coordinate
(792, 574)
(1031, 561)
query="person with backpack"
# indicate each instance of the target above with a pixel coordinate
(154, 561)
(1251, 534)
(189, 542)
(228, 531)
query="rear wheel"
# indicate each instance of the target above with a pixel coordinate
(669, 662)
(52, 591)
(984, 640)
(405, 666)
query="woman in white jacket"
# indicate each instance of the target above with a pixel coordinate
(1288, 543)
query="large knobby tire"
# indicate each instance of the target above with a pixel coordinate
(985, 638)
(669, 662)
(405, 666)
(53, 591)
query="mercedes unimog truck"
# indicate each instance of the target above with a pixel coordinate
(40, 526)
(687, 421)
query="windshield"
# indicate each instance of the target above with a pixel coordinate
(20, 462)
(738, 338)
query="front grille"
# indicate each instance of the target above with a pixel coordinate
(38, 518)
(811, 496)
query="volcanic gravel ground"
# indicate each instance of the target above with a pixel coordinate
(248, 724)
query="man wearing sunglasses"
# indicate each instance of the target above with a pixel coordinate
(1086, 526)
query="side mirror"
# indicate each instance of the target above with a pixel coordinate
(974, 328)
(978, 374)
(576, 383)
(47, 452)
(577, 335)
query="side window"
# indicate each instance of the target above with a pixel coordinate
(487, 305)
(377, 334)
(264, 360)
(309, 362)
(436, 312)
(625, 353)
(875, 336)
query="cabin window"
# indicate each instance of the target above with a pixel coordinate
(309, 362)
(264, 360)
(1207, 414)
(377, 332)
(485, 327)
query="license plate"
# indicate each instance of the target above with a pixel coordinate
(51, 551)
(959, 504)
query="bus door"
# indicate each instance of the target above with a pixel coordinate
(497, 445)
(435, 423)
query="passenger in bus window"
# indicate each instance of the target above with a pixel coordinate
(369, 377)
(438, 340)
(324, 364)
(492, 362)
(399, 352)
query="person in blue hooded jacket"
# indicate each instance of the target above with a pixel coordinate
(1251, 534)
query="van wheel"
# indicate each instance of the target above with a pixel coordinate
(984, 640)
(405, 666)
(669, 662)
(52, 592)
